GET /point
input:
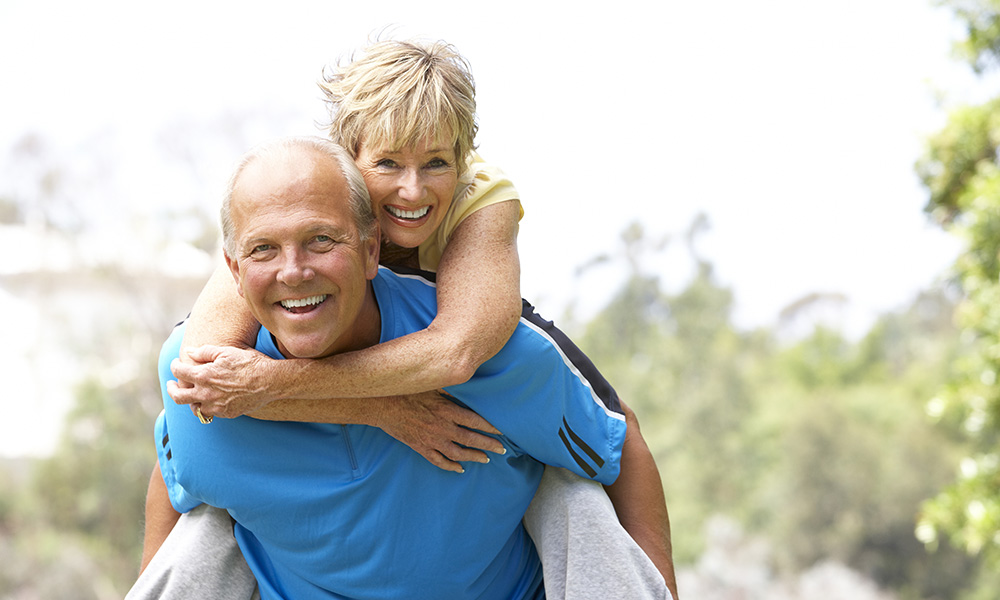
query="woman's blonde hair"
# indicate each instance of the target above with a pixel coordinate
(399, 93)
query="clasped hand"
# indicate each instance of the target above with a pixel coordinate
(222, 381)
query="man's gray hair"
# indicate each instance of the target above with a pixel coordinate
(360, 201)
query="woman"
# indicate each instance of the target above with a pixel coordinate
(406, 112)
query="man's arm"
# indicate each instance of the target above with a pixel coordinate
(637, 496)
(160, 517)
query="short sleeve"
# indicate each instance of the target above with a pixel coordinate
(483, 185)
(181, 500)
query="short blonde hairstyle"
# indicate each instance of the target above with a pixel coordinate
(359, 201)
(399, 93)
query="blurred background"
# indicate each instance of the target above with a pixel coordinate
(773, 225)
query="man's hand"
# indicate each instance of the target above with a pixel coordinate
(439, 430)
(220, 380)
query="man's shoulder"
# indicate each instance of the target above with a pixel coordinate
(170, 350)
(428, 278)
(407, 300)
(408, 284)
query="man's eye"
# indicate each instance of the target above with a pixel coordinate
(324, 238)
(260, 248)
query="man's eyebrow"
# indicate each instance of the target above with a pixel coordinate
(327, 228)
(252, 243)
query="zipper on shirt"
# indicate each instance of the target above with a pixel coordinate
(355, 471)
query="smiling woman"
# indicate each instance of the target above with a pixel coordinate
(411, 188)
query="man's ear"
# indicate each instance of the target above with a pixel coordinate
(234, 268)
(371, 247)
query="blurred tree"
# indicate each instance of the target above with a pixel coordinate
(851, 454)
(961, 172)
(822, 446)
(675, 358)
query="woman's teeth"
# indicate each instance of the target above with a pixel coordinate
(407, 214)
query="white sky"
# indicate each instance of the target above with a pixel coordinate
(793, 125)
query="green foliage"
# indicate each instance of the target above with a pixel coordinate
(961, 172)
(93, 487)
(981, 19)
(821, 446)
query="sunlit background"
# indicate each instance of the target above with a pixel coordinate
(774, 140)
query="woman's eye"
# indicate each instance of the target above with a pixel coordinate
(385, 162)
(437, 163)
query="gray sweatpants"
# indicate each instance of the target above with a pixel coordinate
(199, 560)
(585, 552)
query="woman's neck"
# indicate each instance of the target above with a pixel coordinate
(392, 255)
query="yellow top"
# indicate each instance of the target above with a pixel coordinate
(480, 186)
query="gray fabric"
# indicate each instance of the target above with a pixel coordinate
(199, 560)
(586, 554)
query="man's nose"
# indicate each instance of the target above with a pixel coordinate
(294, 269)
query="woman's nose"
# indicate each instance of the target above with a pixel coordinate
(411, 186)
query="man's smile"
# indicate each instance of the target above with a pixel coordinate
(304, 304)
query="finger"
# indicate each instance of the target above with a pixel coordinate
(440, 461)
(180, 395)
(461, 454)
(471, 420)
(204, 354)
(182, 370)
(465, 417)
(472, 439)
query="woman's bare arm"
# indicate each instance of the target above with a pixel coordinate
(479, 305)
(220, 316)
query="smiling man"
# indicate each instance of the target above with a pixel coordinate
(302, 265)
(346, 511)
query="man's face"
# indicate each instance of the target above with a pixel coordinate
(300, 263)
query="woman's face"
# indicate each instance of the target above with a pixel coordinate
(411, 188)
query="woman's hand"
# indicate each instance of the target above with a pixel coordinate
(222, 381)
(439, 430)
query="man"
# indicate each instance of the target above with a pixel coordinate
(337, 511)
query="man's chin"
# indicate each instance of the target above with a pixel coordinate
(298, 348)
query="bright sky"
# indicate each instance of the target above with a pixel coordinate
(793, 125)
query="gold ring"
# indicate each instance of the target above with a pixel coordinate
(204, 420)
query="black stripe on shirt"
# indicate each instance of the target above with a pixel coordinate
(589, 470)
(576, 356)
(594, 456)
(583, 364)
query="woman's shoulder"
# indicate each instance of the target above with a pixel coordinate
(482, 184)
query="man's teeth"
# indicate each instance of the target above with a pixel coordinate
(407, 214)
(303, 302)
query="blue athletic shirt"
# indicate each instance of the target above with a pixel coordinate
(346, 511)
